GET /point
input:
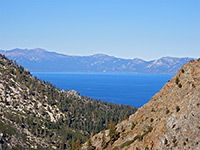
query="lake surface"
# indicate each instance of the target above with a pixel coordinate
(127, 89)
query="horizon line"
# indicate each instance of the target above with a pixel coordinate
(110, 55)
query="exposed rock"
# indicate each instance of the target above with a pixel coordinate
(170, 120)
(34, 114)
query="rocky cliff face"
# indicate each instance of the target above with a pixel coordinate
(170, 120)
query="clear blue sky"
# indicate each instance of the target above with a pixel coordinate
(146, 29)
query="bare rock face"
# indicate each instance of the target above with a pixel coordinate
(170, 120)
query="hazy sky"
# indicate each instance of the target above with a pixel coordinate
(146, 29)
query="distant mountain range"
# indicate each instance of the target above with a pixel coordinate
(169, 121)
(40, 60)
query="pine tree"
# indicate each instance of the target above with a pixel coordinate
(125, 117)
(76, 145)
(103, 143)
(89, 144)
(113, 133)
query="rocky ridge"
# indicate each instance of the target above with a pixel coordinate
(34, 114)
(170, 120)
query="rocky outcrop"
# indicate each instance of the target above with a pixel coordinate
(170, 120)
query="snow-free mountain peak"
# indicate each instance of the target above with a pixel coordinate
(40, 60)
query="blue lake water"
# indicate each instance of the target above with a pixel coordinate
(127, 89)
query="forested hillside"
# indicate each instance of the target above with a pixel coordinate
(34, 114)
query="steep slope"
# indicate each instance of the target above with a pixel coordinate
(39, 60)
(34, 114)
(170, 120)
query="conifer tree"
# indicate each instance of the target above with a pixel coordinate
(113, 133)
(103, 143)
(89, 144)
(76, 145)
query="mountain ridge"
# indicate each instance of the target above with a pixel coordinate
(40, 60)
(34, 114)
(170, 120)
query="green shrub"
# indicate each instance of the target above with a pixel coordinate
(127, 143)
(116, 148)
(174, 141)
(166, 141)
(149, 129)
(125, 117)
(167, 111)
(179, 85)
(137, 137)
(133, 125)
(177, 80)
(151, 120)
(193, 85)
(146, 148)
(7, 128)
(177, 108)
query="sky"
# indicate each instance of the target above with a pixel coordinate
(122, 28)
